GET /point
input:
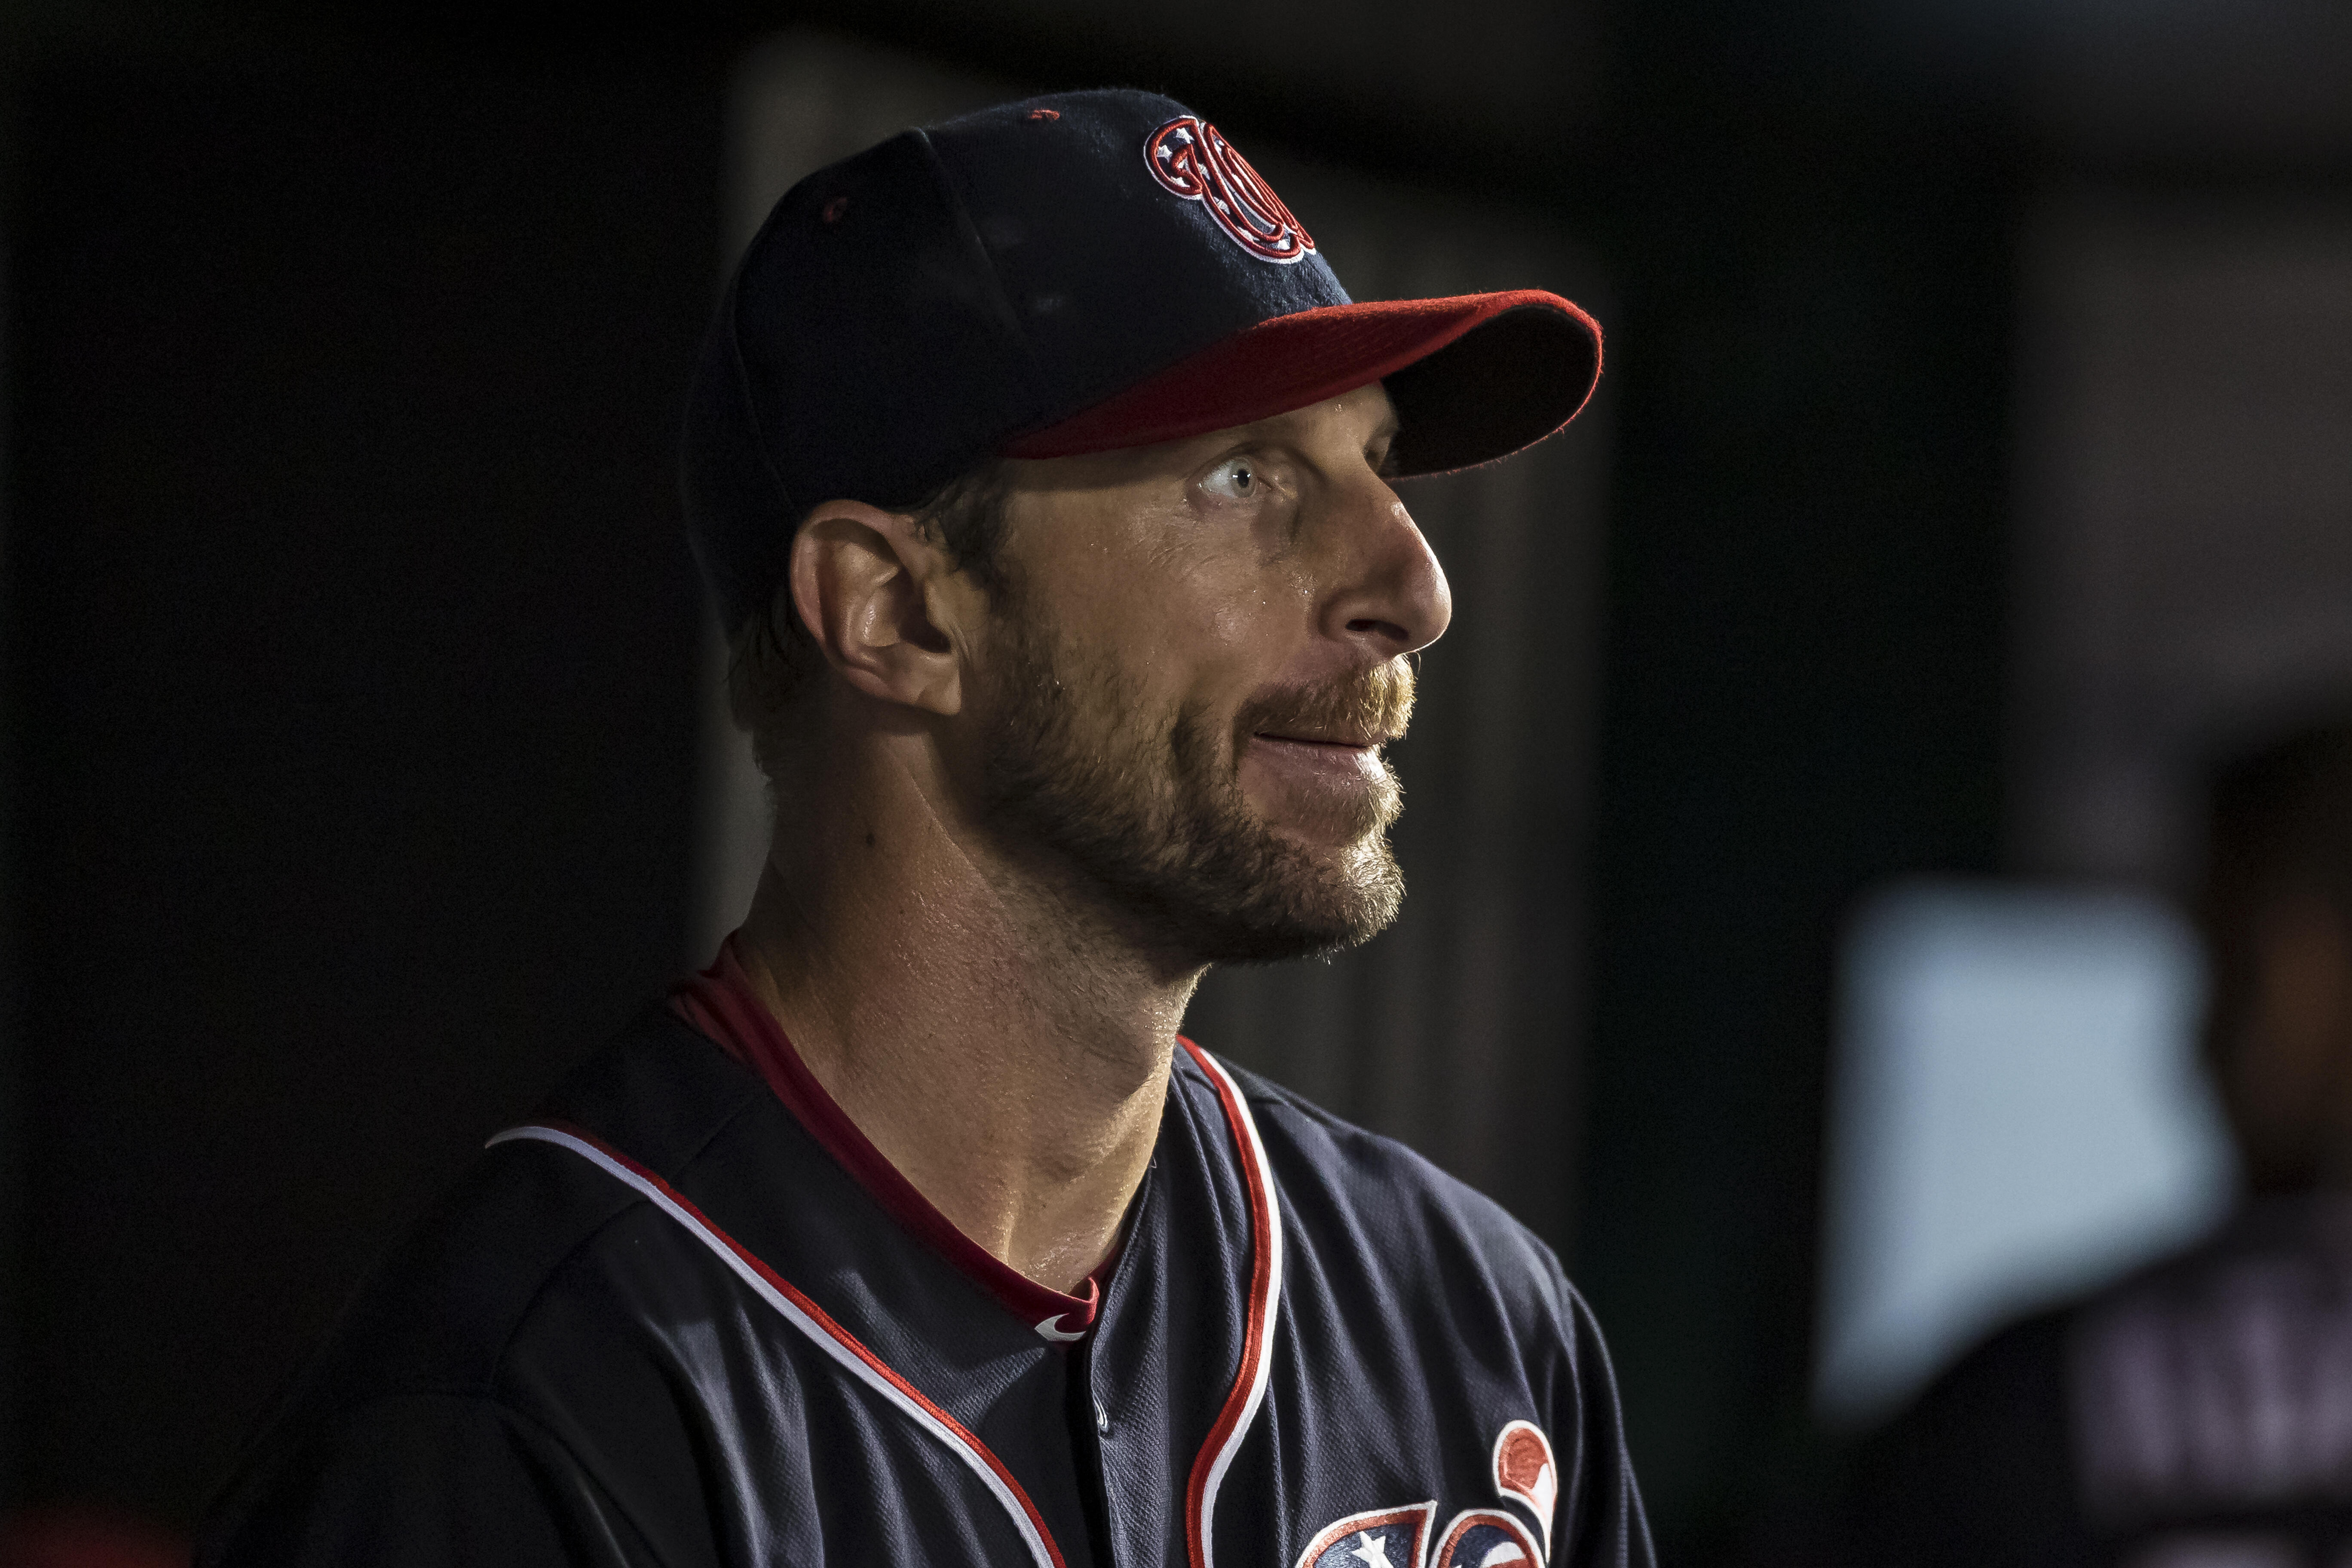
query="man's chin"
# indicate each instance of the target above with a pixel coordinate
(1312, 901)
(1207, 859)
(1335, 843)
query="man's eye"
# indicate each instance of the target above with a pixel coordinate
(1234, 479)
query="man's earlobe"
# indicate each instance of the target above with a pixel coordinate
(858, 578)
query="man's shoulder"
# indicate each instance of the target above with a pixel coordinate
(524, 1228)
(532, 1315)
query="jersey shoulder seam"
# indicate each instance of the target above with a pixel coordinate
(633, 1201)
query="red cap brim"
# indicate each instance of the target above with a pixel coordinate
(1474, 378)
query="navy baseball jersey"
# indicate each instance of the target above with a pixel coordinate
(681, 1319)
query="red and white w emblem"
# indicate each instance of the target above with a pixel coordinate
(1190, 159)
(1524, 1472)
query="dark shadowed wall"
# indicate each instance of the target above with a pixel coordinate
(350, 640)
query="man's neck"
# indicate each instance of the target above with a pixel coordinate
(990, 1036)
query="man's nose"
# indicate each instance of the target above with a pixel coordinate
(1389, 594)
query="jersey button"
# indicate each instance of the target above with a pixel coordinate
(1102, 1419)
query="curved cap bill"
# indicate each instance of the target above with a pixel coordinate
(1474, 377)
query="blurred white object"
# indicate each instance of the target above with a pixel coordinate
(2014, 1114)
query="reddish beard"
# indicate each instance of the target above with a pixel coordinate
(1148, 807)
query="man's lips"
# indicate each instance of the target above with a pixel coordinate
(1319, 762)
(1324, 789)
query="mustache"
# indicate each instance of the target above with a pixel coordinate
(1373, 704)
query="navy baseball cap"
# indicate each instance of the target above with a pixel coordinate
(1067, 274)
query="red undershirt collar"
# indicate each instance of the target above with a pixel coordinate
(721, 1004)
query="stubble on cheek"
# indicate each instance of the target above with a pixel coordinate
(1144, 796)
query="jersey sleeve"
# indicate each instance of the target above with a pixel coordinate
(422, 1481)
(1598, 1521)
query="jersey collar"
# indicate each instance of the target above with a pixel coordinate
(721, 1004)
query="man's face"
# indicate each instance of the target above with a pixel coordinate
(1185, 689)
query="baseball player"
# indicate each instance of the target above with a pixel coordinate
(1041, 468)
(2198, 1409)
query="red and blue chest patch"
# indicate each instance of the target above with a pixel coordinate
(1522, 1471)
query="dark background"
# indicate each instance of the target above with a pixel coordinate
(350, 641)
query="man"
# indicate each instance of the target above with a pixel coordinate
(1042, 469)
(2198, 1413)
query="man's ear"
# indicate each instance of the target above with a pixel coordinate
(859, 578)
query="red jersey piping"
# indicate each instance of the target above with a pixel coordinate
(1233, 1422)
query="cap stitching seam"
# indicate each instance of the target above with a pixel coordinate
(1006, 315)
